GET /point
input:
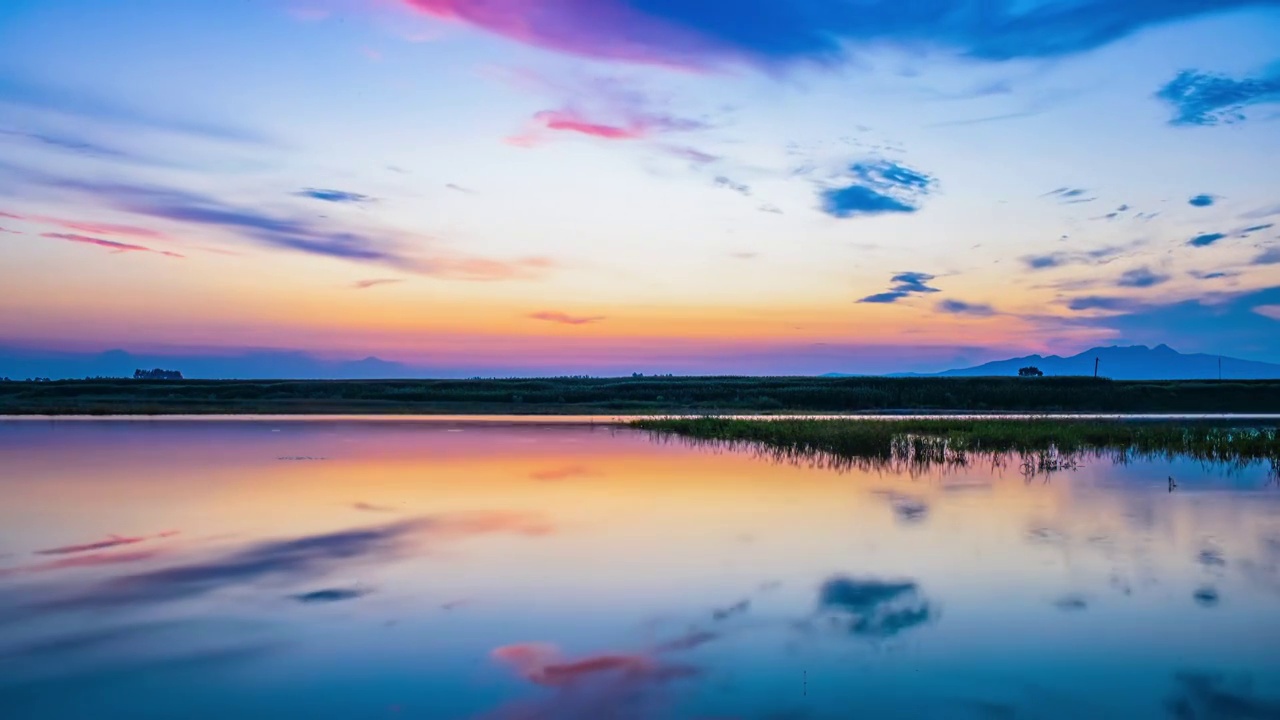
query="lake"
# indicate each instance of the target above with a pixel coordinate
(333, 568)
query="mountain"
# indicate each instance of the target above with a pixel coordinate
(1135, 362)
(19, 363)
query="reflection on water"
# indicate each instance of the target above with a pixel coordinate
(349, 569)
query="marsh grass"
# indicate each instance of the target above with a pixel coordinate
(1034, 446)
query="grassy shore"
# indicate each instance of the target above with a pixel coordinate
(638, 395)
(1045, 443)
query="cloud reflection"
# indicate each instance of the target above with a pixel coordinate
(876, 608)
(296, 559)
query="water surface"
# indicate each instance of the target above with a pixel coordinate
(345, 568)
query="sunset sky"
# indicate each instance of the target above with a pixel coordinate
(602, 186)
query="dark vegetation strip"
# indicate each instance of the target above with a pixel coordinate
(639, 395)
(1046, 443)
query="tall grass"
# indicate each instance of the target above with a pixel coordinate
(1038, 444)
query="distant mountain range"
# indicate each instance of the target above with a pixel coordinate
(1135, 362)
(20, 364)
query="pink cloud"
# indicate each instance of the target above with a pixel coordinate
(374, 282)
(110, 244)
(540, 663)
(567, 120)
(110, 542)
(11, 216)
(98, 228)
(636, 124)
(589, 688)
(603, 29)
(564, 318)
(11, 232)
(80, 561)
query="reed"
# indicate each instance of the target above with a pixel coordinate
(1038, 444)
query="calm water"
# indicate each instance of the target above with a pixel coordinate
(353, 569)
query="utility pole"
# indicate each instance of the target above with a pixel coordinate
(1095, 367)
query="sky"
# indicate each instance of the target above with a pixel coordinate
(549, 187)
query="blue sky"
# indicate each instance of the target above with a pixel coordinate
(606, 185)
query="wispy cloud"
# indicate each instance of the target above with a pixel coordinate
(333, 196)
(89, 226)
(730, 184)
(87, 560)
(564, 318)
(1269, 256)
(712, 34)
(110, 542)
(299, 235)
(1062, 259)
(905, 284)
(78, 146)
(74, 102)
(1261, 213)
(374, 282)
(109, 244)
(691, 154)
(1215, 275)
(1070, 195)
(1199, 98)
(876, 187)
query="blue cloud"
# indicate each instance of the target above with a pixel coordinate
(1209, 325)
(1246, 232)
(1202, 200)
(1044, 262)
(334, 196)
(1205, 239)
(330, 595)
(1095, 302)
(959, 307)
(877, 187)
(1141, 278)
(905, 284)
(710, 33)
(1199, 98)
